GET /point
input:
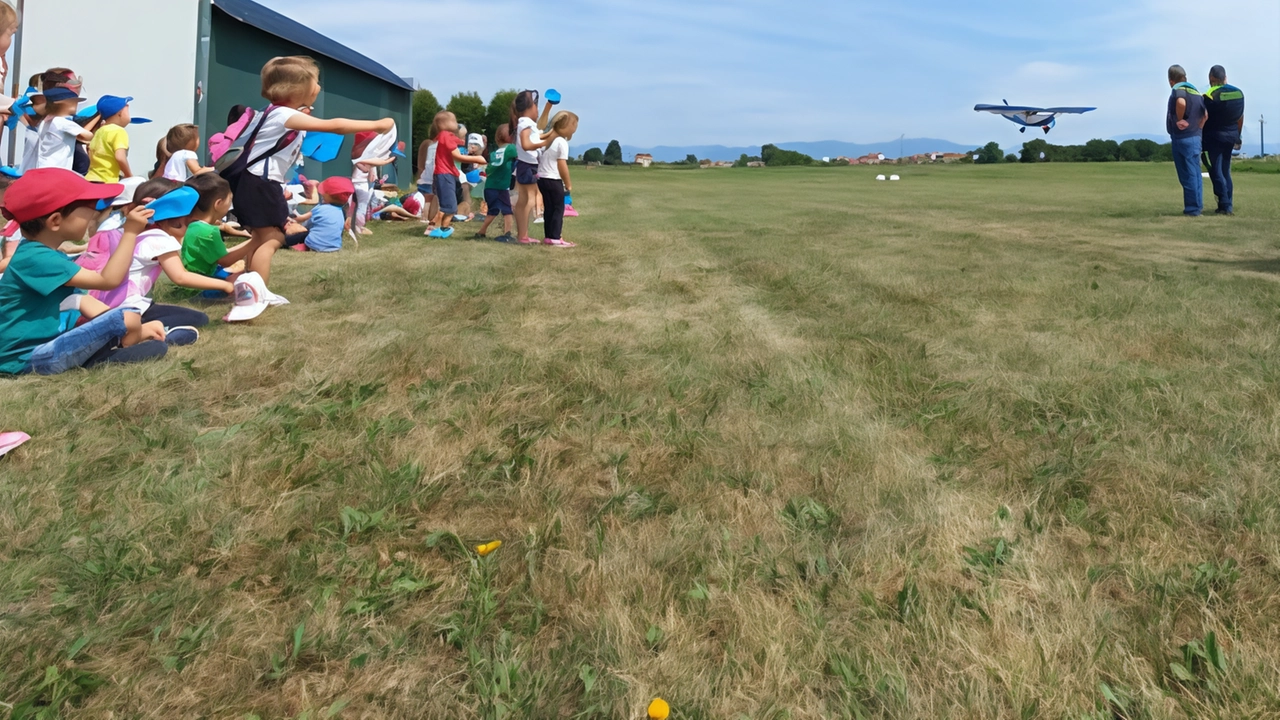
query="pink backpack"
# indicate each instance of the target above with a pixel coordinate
(219, 143)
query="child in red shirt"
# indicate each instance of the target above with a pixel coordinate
(445, 185)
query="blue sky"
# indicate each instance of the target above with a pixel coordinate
(745, 72)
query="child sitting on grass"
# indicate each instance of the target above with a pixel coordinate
(109, 151)
(53, 206)
(59, 132)
(182, 141)
(326, 221)
(497, 191)
(204, 252)
(158, 250)
(445, 185)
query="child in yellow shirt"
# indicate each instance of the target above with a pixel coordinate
(109, 150)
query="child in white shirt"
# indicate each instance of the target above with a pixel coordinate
(183, 141)
(59, 133)
(553, 177)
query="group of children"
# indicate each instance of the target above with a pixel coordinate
(59, 313)
(533, 162)
(78, 193)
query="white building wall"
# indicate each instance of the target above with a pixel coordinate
(140, 48)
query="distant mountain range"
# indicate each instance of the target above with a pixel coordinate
(836, 148)
(819, 150)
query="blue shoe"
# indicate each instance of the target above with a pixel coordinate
(435, 234)
(446, 233)
(180, 336)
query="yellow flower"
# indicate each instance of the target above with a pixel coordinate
(488, 547)
(659, 709)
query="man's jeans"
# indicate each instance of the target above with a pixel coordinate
(1220, 172)
(1186, 158)
(73, 348)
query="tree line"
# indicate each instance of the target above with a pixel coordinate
(1039, 150)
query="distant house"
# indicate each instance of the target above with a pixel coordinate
(644, 159)
(871, 159)
(755, 163)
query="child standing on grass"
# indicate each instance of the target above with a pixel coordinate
(292, 84)
(529, 142)
(446, 184)
(363, 175)
(497, 191)
(553, 178)
(204, 252)
(183, 141)
(53, 206)
(109, 150)
(427, 161)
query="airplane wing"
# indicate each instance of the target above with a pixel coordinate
(1008, 109)
(1070, 110)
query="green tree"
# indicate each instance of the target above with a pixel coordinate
(593, 155)
(1011, 158)
(470, 110)
(499, 112)
(425, 107)
(742, 161)
(775, 156)
(1101, 151)
(690, 159)
(1031, 150)
(989, 153)
(1140, 150)
(613, 153)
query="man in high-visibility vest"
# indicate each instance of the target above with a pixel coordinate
(1225, 104)
(1184, 120)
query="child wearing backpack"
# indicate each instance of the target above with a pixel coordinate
(257, 176)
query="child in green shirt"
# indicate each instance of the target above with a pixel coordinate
(203, 250)
(497, 191)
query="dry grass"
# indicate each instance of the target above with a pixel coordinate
(989, 442)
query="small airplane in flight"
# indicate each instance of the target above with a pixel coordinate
(1043, 118)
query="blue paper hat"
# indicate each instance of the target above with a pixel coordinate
(398, 150)
(176, 204)
(9, 171)
(553, 96)
(473, 177)
(321, 146)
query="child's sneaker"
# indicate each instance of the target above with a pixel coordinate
(446, 233)
(505, 238)
(558, 243)
(527, 241)
(460, 218)
(570, 212)
(180, 336)
(539, 220)
(435, 233)
(479, 236)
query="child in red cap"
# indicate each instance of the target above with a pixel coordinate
(326, 222)
(53, 206)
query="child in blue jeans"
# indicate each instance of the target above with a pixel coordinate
(53, 206)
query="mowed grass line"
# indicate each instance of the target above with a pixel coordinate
(988, 442)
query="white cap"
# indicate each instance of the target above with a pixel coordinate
(251, 298)
(131, 185)
(475, 139)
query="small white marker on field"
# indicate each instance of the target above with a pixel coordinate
(879, 177)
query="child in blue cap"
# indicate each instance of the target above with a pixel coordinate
(109, 149)
(159, 250)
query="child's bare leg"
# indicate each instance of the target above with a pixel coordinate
(506, 223)
(267, 242)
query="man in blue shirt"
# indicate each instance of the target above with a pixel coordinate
(1225, 105)
(1184, 120)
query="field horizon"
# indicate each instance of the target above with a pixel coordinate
(989, 442)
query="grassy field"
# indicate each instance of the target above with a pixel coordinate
(991, 442)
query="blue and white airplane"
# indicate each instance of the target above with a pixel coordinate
(1043, 118)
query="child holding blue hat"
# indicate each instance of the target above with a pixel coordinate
(159, 250)
(59, 132)
(109, 149)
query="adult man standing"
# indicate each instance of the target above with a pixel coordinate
(1185, 120)
(1225, 105)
